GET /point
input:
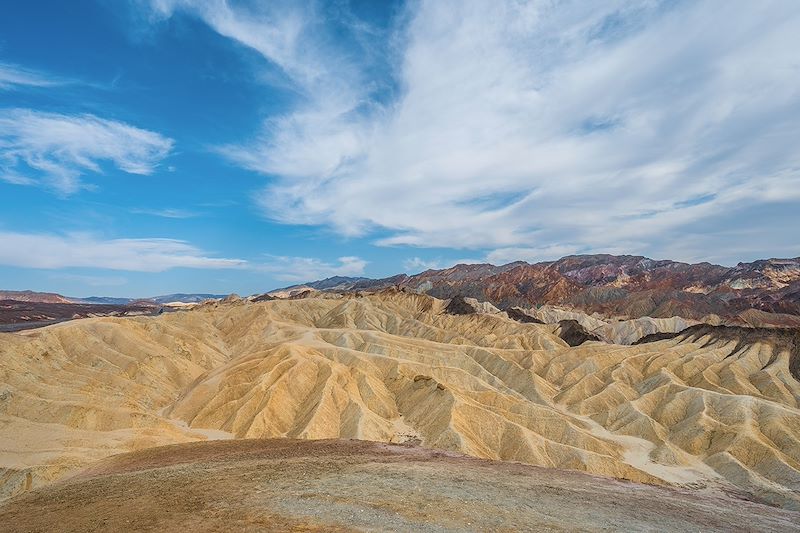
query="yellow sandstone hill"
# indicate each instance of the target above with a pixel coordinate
(712, 407)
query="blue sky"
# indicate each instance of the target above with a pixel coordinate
(161, 146)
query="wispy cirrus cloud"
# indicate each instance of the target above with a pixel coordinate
(53, 251)
(91, 281)
(522, 126)
(326, 75)
(300, 269)
(167, 212)
(15, 76)
(56, 150)
(414, 265)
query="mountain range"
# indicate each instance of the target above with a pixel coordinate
(613, 286)
(624, 286)
(53, 298)
(600, 292)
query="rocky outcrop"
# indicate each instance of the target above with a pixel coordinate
(264, 298)
(550, 314)
(574, 333)
(615, 332)
(17, 315)
(459, 305)
(630, 331)
(34, 297)
(521, 315)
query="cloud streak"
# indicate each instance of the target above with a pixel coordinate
(414, 265)
(168, 212)
(14, 76)
(52, 251)
(56, 150)
(300, 269)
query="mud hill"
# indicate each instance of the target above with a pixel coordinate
(707, 409)
(335, 485)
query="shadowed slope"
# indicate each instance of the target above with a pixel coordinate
(781, 340)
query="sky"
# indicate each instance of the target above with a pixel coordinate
(159, 146)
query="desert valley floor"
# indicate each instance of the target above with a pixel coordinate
(709, 412)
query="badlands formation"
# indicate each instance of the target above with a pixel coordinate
(712, 409)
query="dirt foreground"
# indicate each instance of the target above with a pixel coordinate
(347, 485)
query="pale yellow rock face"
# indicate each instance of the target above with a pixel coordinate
(704, 412)
(621, 331)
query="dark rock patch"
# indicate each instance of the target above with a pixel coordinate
(515, 313)
(459, 306)
(574, 334)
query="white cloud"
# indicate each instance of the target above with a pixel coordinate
(301, 269)
(614, 126)
(13, 76)
(528, 127)
(15, 179)
(327, 80)
(92, 281)
(414, 265)
(58, 149)
(277, 30)
(53, 251)
(50, 251)
(168, 212)
(503, 256)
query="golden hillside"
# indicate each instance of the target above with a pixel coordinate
(706, 409)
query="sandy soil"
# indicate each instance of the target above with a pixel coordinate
(342, 485)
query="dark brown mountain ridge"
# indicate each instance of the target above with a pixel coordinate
(623, 286)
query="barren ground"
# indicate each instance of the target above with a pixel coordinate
(344, 485)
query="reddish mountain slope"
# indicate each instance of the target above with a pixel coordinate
(35, 297)
(627, 286)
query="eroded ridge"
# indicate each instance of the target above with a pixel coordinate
(703, 409)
